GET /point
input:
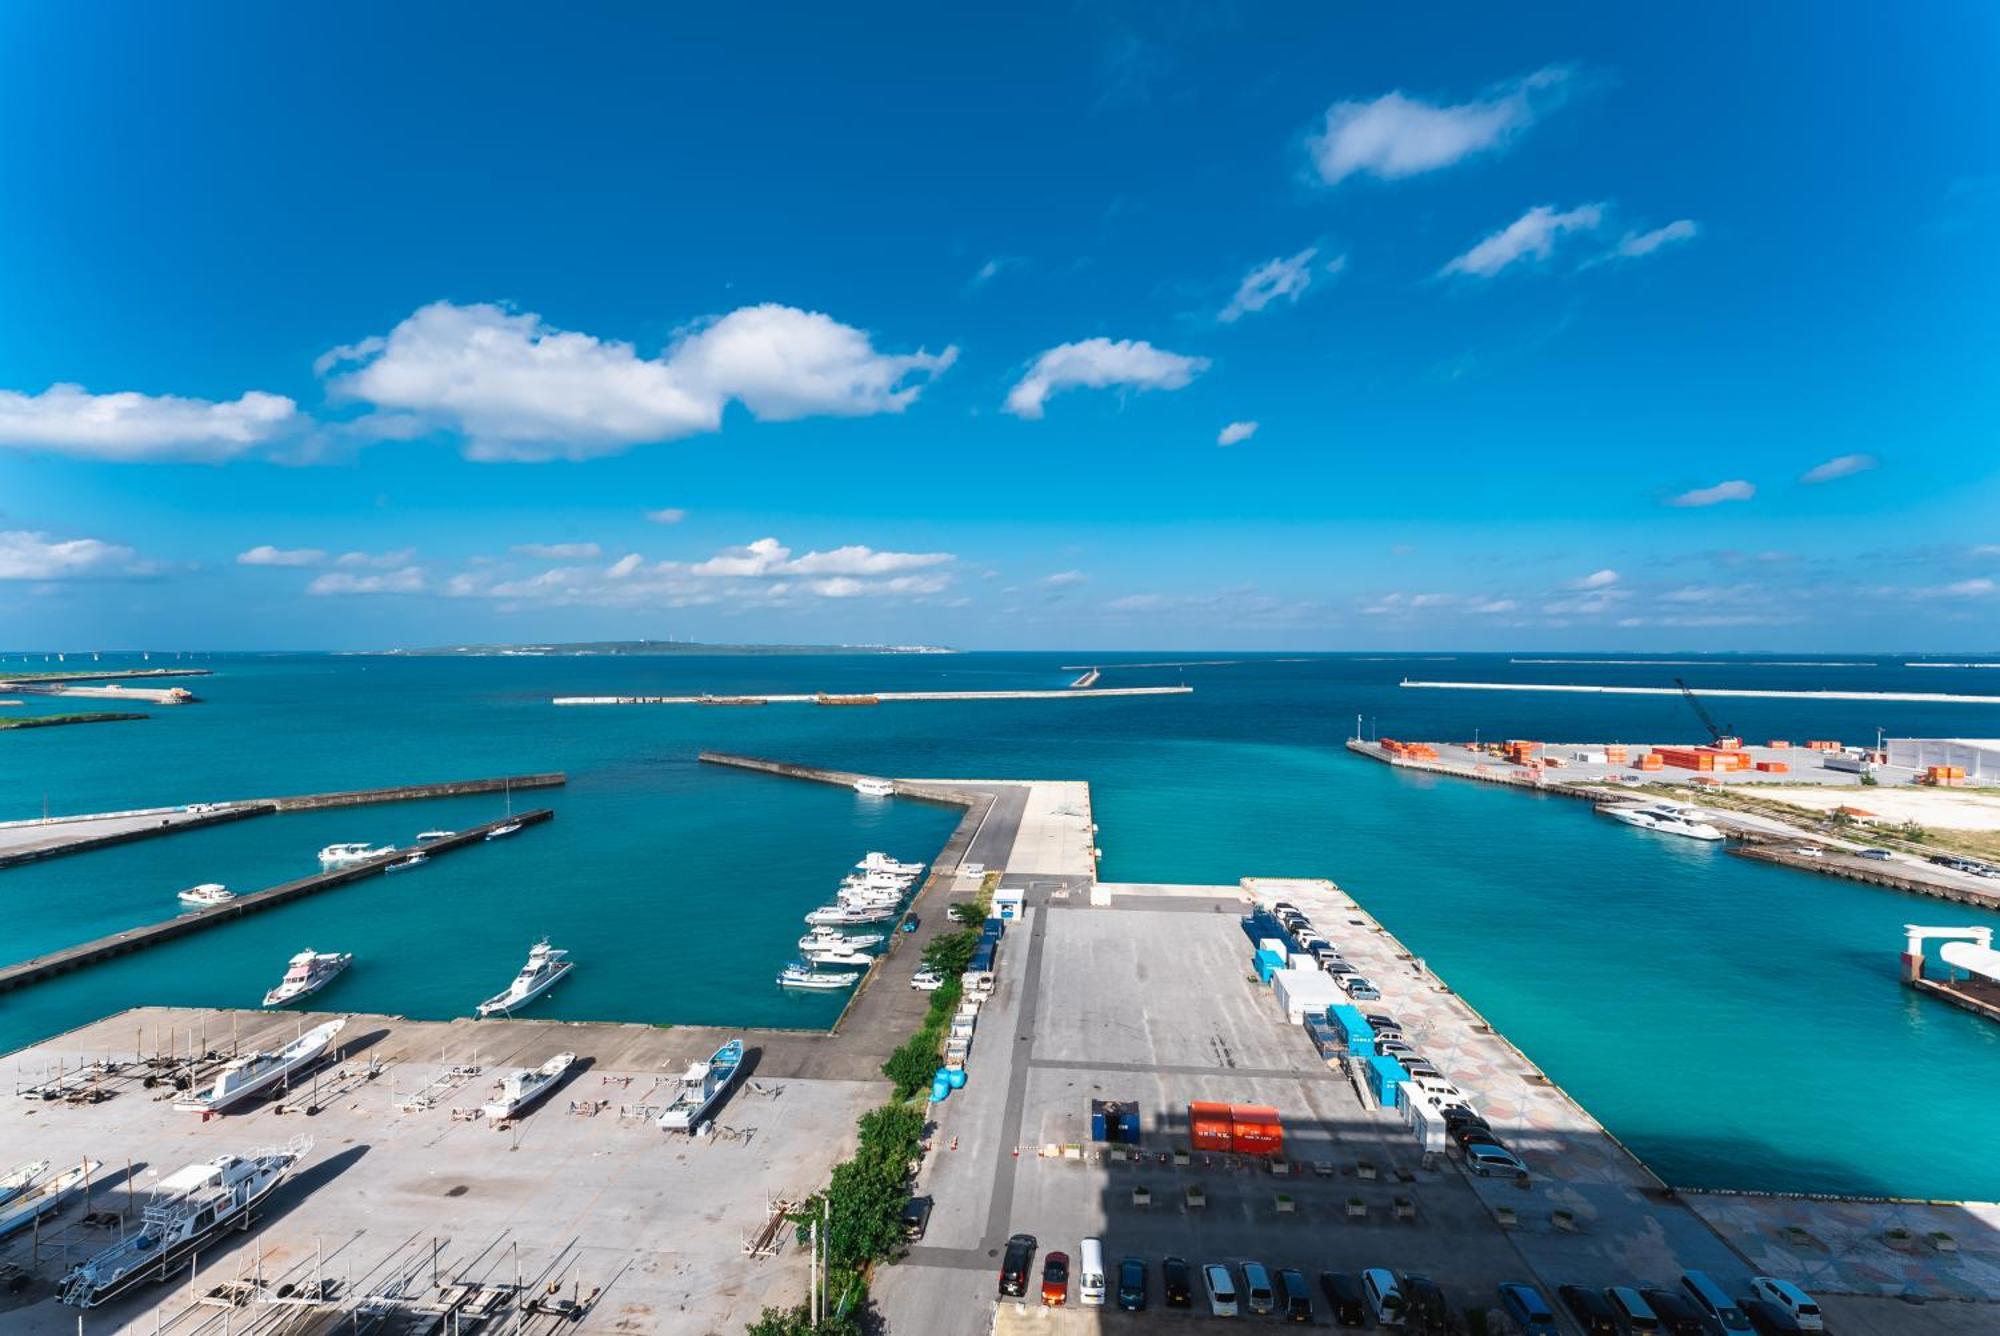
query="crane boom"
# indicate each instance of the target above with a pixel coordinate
(1715, 731)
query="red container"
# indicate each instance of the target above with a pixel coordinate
(1210, 1126)
(1256, 1130)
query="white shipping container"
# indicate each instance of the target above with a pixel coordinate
(1422, 1118)
(1276, 945)
(1302, 990)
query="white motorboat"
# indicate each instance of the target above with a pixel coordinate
(869, 899)
(883, 881)
(799, 974)
(545, 968)
(415, 860)
(839, 916)
(1664, 818)
(520, 1091)
(876, 861)
(432, 836)
(870, 787)
(357, 851)
(22, 1210)
(703, 1085)
(207, 894)
(187, 1209)
(254, 1073)
(307, 973)
(21, 1179)
(828, 939)
(836, 956)
(502, 831)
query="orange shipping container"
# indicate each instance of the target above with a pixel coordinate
(1778, 744)
(1651, 761)
(1774, 767)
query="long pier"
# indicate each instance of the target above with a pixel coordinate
(871, 697)
(1932, 697)
(152, 934)
(7, 680)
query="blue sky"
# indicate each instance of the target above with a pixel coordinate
(1584, 328)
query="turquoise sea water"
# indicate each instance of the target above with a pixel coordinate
(1739, 1025)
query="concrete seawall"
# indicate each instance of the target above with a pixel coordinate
(397, 793)
(851, 699)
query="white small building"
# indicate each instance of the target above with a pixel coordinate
(1301, 990)
(1979, 756)
(1008, 903)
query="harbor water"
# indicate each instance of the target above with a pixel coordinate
(1737, 1024)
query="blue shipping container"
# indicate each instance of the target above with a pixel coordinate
(1268, 963)
(982, 960)
(1383, 1077)
(998, 927)
(1356, 1032)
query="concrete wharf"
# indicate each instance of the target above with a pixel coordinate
(1592, 690)
(38, 968)
(8, 682)
(872, 697)
(28, 841)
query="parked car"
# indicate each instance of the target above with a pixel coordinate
(1322, 953)
(1767, 1318)
(1879, 855)
(1176, 1282)
(1465, 1134)
(1677, 1316)
(1382, 1021)
(916, 1217)
(1419, 1067)
(1221, 1288)
(1713, 1303)
(1808, 851)
(1338, 967)
(1132, 1285)
(1015, 1266)
(1360, 989)
(1344, 1298)
(1384, 1295)
(1634, 1314)
(1295, 1298)
(1259, 1299)
(1491, 1161)
(1590, 1310)
(1055, 1280)
(927, 981)
(1394, 1048)
(1284, 907)
(1792, 1299)
(1425, 1307)
(1527, 1308)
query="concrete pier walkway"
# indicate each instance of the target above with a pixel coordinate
(872, 697)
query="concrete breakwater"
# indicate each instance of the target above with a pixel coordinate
(872, 697)
(1930, 696)
(135, 939)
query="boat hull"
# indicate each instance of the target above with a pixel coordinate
(162, 1267)
(505, 1005)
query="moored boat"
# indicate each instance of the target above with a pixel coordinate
(1664, 818)
(432, 836)
(545, 968)
(877, 861)
(415, 860)
(502, 831)
(835, 916)
(206, 895)
(799, 974)
(702, 1087)
(521, 1090)
(829, 939)
(356, 851)
(837, 956)
(870, 787)
(307, 973)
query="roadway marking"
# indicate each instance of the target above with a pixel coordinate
(1168, 1069)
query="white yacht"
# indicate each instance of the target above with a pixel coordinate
(520, 1091)
(415, 860)
(799, 974)
(1665, 818)
(21, 1211)
(545, 969)
(254, 1073)
(187, 1209)
(357, 851)
(307, 973)
(502, 831)
(828, 939)
(703, 1085)
(887, 881)
(840, 916)
(861, 899)
(870, 787)
(839, 956)
(207, 894)
(876, 861)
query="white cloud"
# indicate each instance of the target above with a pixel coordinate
(1496, 605)
(1531, 236)
(1064, 579)
(993, 268)
(521, 390)
(408, 580)
(266, 555)
(1734, 490)
(1396, 135)
(767, 556)
(1236, 433)
(27, 554)
(1840, 466)
(129, 427)
(1138, 603)
(380, 561)
(668, 515)
(1275, 279)
(560, 551)
(1596, 580)
(1098, 364)
(1633, 245)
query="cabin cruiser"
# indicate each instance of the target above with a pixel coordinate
(415, 860)
(308, 972)
(521, 1089)
(870, 787)
(545, 969)
(892, 881)
(347, 855)
(839, 916)
(877, 861)
(254, 1073)
(187, 1210)
(1665, 818)
(502, 831)
(870, 899)
(206, 895)
(703, 1085)
(827, 939)
(839, 956)
(799, 974)
(26, 1207)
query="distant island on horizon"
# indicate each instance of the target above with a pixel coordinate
(615, 648)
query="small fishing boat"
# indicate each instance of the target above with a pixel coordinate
(545, 968)
(356, 851)
(799, 974)
(28, 1207)
(839, 916)
(703, 1085)
(208, 894)
(827, 939)
(502, 831)
(415, 860)
(307, 973)
(20, 1180)
(835, 956)
(522, 1089)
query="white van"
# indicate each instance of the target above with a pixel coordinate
(1090, 1274)
(1384, 1296)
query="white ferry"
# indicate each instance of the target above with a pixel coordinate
(544, 969)
(307, 973)
(188, 1209)
(208, 894)
(254, 1073)
(522, 1089)
(1664, 818)
(703, 1085)
(356, 851)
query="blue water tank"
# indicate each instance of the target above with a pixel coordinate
(957, 1078)
(940, 1091)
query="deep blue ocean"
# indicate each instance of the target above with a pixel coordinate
(1738, 1025)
